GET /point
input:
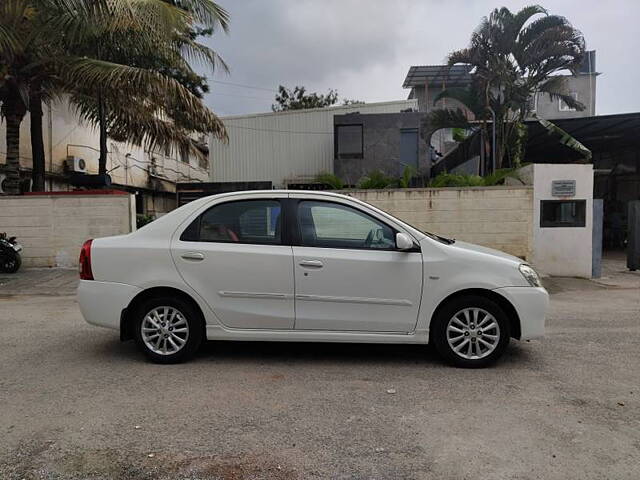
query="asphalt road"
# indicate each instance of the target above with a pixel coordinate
(77, 403)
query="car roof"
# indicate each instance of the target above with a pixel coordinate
(282, 192)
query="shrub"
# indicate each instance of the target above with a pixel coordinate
(376, 180)
(456, 180)
(498, 177)
(407, 174)
(330, 179)
(142, 220)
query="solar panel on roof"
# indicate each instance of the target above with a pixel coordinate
(421, 74)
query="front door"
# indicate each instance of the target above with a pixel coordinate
(234, 256)
(349, 275)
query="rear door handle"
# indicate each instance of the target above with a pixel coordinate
(197, 256)
(311, 263)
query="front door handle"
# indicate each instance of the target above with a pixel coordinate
(311, 263)
(197, 256)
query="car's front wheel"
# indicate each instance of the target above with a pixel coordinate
(167, 330)
(471, 331)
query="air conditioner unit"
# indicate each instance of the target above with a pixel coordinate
(3, 179)
(75, 164)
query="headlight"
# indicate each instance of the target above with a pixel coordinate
(530, 275)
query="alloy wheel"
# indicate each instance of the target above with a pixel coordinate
(473, 333)
(164, 330)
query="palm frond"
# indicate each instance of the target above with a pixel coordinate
(469, 97)
(126, 79)
(447, 118)
(464, 55)
(195, 51)
(556, 88)
(522, 17)
(205, 12)
(565, 138)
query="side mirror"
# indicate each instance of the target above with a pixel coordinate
(403, 242)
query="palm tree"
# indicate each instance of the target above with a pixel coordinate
(513, 57)
(14, 85)
(92, 61)
(149, 99)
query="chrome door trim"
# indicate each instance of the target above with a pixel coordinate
(277, 296)
(361, 300)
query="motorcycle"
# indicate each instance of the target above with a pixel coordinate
(10, 259)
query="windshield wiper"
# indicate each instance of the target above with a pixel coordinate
(445, 240)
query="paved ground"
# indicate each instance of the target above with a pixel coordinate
(77, 403)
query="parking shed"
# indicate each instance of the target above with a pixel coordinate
(614, 141)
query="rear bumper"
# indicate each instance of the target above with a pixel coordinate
(101, 303)
(531, 304)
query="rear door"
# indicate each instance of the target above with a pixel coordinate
(349, 276)
(236, 257)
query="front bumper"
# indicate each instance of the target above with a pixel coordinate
(531, 303)
(101, 303)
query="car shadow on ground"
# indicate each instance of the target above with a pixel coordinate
(305, 353)
(308, 352)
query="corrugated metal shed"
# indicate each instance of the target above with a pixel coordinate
(284, 147)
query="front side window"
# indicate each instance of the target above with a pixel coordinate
(250, 221)
(332, 225)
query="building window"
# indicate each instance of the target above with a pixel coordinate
(566, 108)
(533, 102)
(349, 141)
(184, 155)
(563, 213)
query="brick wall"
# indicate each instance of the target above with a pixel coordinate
(496, 217)
(52, 228)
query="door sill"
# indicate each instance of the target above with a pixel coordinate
(217, 332)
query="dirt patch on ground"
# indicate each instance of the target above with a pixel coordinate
(43, 460)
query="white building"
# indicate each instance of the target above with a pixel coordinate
(284, 147)
(152, 176)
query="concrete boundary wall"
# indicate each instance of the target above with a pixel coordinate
(496, 217)
(52, 228)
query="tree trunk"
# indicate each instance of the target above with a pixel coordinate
(13, 118)
(102, 113)
(37, 142)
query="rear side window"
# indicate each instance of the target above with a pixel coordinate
(250, 221)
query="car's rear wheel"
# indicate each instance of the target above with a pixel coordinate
(167, 330)
(471, 331)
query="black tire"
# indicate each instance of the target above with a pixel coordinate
(456, 307)
(10, 261)
(193, 338)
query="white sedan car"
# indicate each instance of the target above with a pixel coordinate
(305, 267)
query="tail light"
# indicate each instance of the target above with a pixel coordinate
(85, 261)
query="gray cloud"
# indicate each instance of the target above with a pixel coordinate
(363, 48)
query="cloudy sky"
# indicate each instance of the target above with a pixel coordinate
(363, 48)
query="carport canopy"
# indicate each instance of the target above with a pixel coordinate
(600, 134)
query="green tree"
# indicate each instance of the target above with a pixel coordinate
(299, 99)
(513, 57)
